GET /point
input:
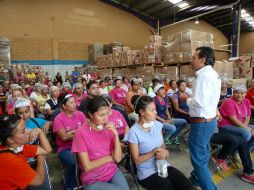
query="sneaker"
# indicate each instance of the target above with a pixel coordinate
(176, 141)
(168, 141)
(248, 178)
(222, 163)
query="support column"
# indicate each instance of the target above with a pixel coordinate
(236, 29)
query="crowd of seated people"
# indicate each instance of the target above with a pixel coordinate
(94, 118)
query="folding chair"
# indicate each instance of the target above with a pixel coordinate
(215, 149)
(77, 175)
(47, 182)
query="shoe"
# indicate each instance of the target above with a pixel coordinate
(168, 141)
(248, 178)
(176, 141)
(222, 163)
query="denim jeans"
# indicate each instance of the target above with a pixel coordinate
(68, 159)
(168, 130)
(180, 124)
(118, 182)
(244, 133)
(199, 146)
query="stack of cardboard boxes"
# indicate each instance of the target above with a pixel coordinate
(119, 56)
(94, 50)
(182, 45)
(243, 67)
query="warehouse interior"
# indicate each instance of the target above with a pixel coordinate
(109, 40)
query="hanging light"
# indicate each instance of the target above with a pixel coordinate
(196, 21)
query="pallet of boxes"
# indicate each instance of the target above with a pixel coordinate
(181, 46)
(242, 70)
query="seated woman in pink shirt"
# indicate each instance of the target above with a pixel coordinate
(65, 125)
(117, 119)
(78, 94)
(98, 147)
(118, 94)
(235, 112)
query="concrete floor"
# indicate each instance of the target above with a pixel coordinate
(179, 159)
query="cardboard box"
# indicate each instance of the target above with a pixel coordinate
(236, 73)
(209, 44)
(224, 69)
(153, 48)
(174, 58)
(245, 61)
(155, 39)
(169, 72)
(186, 70)
(210, 37)
(246, 73)
(187, 57)
(237, 82)
(189, 35)
(190, 46)
(172, 48)
(175, 38)
(154, 58)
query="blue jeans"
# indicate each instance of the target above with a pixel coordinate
(118, 182)
(199, 146)
(180, 124)
(244, 133)
(168, 130)
(68, 159)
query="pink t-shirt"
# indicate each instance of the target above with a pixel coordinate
(118, 95)
(62, 121)
(117, 118)
(231, 108)
(79, 100)
(97, 144)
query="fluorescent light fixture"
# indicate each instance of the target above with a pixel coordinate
(203, 8)
(182, 5)
(175, 1)
(243, 11)
(245, 15)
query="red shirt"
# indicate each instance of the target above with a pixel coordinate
(15, 172)
(250, 96)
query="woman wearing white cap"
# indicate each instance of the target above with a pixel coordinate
(236, 112)
(16, 95)
(22, 109)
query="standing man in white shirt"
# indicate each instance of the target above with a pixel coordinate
(203, 110)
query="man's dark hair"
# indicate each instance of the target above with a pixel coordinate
(155, 81)
(171, 82)
(88, 85)
(208, 54)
